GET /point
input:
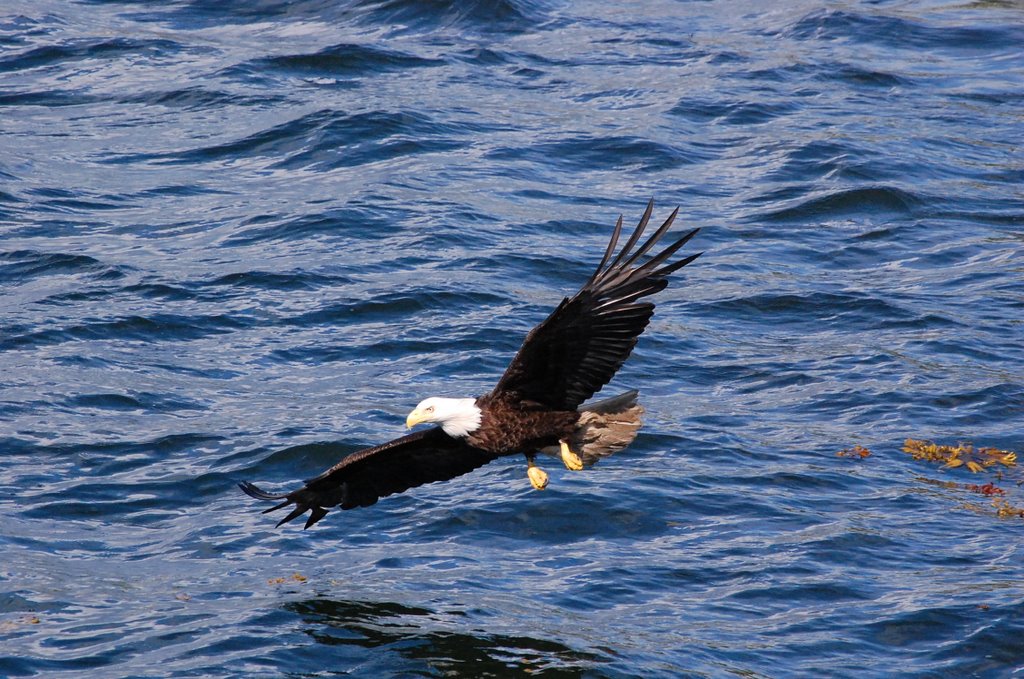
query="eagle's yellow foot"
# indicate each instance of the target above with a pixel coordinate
(538, 477)
(570, 459)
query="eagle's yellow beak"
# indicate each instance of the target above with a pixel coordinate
(415, 417)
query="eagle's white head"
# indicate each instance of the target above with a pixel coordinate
(457, 416)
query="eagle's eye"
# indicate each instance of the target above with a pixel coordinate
(430, 409)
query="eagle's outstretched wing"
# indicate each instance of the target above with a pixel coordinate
(586, 339)
(365, 476)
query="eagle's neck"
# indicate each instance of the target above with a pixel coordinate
(459, 417)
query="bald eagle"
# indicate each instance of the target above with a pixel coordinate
(537, 405)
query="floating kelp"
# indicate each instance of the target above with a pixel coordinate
(985, 489)
(12, 625)
(963, 454)
(857, 452)
(976, 460)
(294, 577)
(1005, 509)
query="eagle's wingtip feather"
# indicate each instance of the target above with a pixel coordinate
(252, 490)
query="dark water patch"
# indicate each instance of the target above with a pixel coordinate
(132, 401)
(859, 76)
(311, 456)
(428, 638)
(386, 308)
(84, 361)
(997, 209)
(431, 562)
(795, 71)
(932, 321)
(847, 310)
(326, 156)
(103, 458)
(46, 227)
(79, 50)
(80, 205)
(269, 280)
(101, 502)
(194, 14)
(997, 635)
(345, 60)
(204, 373)
(768, 599)
(604, 154)
(182, 190)
(391, 307)
(6, 174)
(557, 273)
(856, 548)
(278, 140)
(949, 346)
(475, 16)
(485, 57)
(50, 98)
(200, 98)
(335, 223)
(617, 586)
(976, 406)
(73, 299)
(714, 110)
(855, 258)
(384, 136)
(796, 483)
(542, 194)
(616, 99)
(161, 291)
(397, 16)
(848, 203)
(163, 445)
(18, 29)
(149, 329)
(1010, 97)
(775, 377)
(923, 628)
(21, 602)
(530, 74)
(142, 502)
(13, 408)
(19, 266)
(339, 350)
(644, 51)
(902, 33)
(831, 159)
(75, 200)
(324, 140)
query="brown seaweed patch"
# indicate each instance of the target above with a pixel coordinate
(294, 577)
(858, 452)
(960, 455)
(976, 460)
(26, 619)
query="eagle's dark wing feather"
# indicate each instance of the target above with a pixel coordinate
(586, 339)
(365, 476)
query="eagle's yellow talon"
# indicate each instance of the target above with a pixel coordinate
(538, 477)
(570, 459)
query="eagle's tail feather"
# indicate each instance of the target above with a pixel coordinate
(605, 427)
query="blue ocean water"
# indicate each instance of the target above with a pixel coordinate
(241, 240)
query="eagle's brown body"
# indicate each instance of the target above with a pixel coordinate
(538, 403)
(509, 428)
